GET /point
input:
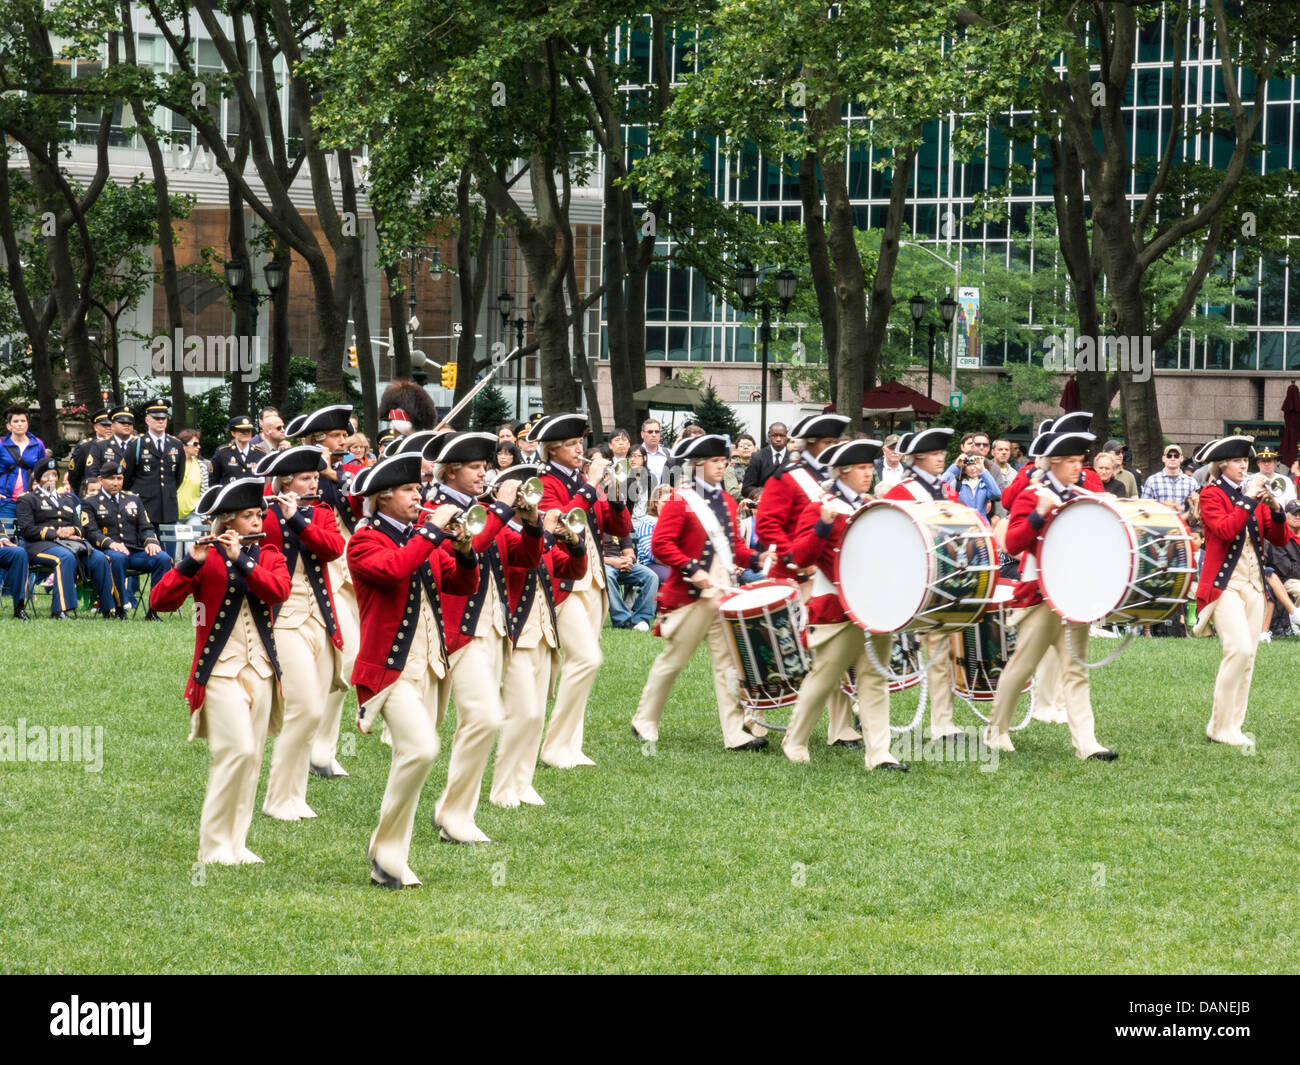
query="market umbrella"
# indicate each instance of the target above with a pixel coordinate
(1070, 401)
(670, 395)
(1289, 448)
(893, 397)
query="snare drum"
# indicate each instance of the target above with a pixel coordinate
(764, 625)
(904, 662)
(919, 566)
(1116, 561)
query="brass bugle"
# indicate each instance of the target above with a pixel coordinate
(621, 468)
(530, 492)
(471, 521)
(249, 539)
(575, 520)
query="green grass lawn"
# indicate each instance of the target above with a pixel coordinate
(1181, 856)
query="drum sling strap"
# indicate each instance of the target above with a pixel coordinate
(713, 530)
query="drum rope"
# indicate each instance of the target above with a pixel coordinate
(921, 703)
(901, 678)
(1131, 631)
(1029, 713)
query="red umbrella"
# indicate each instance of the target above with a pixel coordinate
(1070, 401)
(1289, 448)
(892, 397)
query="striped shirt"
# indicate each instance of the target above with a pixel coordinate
(1167, 489)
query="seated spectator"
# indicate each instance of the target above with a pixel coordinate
(133, 545)
(1285, 565)
(13, 564)
(623, 571)
(59, 536)
(1104, 464)
(643, 529)
(639, 482)
(506, 433)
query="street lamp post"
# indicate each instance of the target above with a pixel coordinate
(235, 272)
(506, 305)
(747, 286)
(955, 267)
(948, 309)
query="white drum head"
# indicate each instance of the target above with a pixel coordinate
(748, 598)
(884, 570)
(1086, 561)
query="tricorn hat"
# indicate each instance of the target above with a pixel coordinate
(389, 472)
(919, 443)
(553, 427)
(850, 453)
(325, 420)
(239, 494)
(305, 458)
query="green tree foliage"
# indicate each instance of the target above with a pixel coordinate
(490, 410)
(714, 416)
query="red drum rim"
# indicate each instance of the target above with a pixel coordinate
(758, 610)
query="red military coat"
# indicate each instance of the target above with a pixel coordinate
(1091, 480)
(219, 587)
(680, 543)
(389, 577)
(904, 490)
(498, 548)
(567, 489)
(311, 537)
(1226, 518)
(780, 509)
(818, 544)
(559, 562)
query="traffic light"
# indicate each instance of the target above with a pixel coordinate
(352, 357)
(449, 375)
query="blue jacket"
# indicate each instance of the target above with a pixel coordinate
(9, 465)
(986, 490)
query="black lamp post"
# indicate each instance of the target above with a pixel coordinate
(948, 309)
(747, 286)
(506, 305)
(414, 256)
(235, 272)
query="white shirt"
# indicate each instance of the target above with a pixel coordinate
(892, 474)
(655, 461)
(159, 441)
(708, 491)
(399, 526)
(853, 498)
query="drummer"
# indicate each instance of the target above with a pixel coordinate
(1237, 518)
(698, 538)
(836, 642)
(924, 453)
(1040, 627)
(785, 496)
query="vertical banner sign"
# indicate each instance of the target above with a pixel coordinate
(968, 329)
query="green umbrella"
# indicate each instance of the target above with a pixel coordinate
(670, 395)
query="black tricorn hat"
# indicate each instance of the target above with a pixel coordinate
(391, 471)
(1061, 445)
(462, 447)
(554, 427)
(820, 426)
(699, 448)
(919, 443)
(233, 495)
(325, 420)
(850, 453)
(305, 458)
(1227, 447)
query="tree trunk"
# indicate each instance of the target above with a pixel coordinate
(882, 285)
(580, 355)
(397, 304)
(614, 262)
(823, 277)
(238, 240)
(281, 354)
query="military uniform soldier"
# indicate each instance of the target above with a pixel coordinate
(133, 545)
(114, 447)
(238, 458)
(155, 467)
(82, 467)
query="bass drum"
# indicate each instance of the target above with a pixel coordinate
(919, 566)
(1116, 561)
(981, 652)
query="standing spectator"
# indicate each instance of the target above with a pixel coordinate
(976, 487)
(1017, 454)
(1104, 464)
(237, 458)
(1003, 472)
(622, 570)
(1170, 485)
(1116, 449)
(620, 443)
(359, 448)
(81, 467)
(195, 481)
(766, 460)
(889, 467)
(639, 482)
(527, 448)
(155, 467)
(115, 446)
(1267, 463)
(19, 454)
(655, 455)
(734, 478)
(271, 437)
(506, 433)
(507, 455)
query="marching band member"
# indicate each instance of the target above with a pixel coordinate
(580, 605)
(233, 690)
(327, 428)
(401, 665)
(307, 635)
(836, 642)
(477, 632)
(534, 652)
(1039, 626)
(786, 494)
(924, 453)
(1236, 515)
(698, 538)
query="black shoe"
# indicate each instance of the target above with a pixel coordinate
(852, 745)
(109, 615)
(381, 879)
(640, 738)
(756, 744)
(318, 770)
(121, 613)
(442, 835)
(1105, 756)
(152, 616)
(897, 767)
(20, 611)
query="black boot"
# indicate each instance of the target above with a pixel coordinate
(20, 610)
(152, 616)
